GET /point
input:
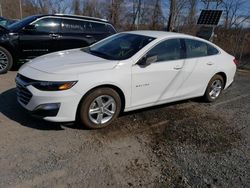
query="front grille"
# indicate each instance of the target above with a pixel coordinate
(23, 94)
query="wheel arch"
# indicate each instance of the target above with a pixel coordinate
(11, 50)
(224, 76)
(112, 86)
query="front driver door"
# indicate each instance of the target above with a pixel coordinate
(158, 81)
(41, 37)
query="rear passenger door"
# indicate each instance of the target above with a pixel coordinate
(75, 34)
(198, 69)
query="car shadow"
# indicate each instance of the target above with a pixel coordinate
(12, 110)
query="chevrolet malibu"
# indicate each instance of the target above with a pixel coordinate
(124, 72)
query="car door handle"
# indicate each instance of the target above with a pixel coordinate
(55, 36)
(89, 36)
(178, 67)
(210, 63)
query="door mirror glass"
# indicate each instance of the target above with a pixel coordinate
(151, 59)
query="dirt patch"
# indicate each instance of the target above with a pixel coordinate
(210, 134)
(186, 144)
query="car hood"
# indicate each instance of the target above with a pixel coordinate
(70, 62)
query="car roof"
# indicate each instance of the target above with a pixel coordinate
(159, 34)
(75, 16)
(165, 34)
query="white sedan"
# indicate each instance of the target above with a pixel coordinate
(124, 72)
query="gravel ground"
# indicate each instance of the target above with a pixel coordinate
(184, 144)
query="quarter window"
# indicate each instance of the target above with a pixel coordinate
(99, 28)
(168, 50)
(47, 25)
(197, 48)
(110, 29)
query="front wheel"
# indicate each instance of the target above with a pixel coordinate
(6, 60)
(214, 88)
(99, 108)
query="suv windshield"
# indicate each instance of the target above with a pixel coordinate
(21, 23)
(119, 47)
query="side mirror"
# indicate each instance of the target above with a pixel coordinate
(147, 60)
(30, 28)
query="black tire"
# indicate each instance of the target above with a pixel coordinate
(9, 60)
(90, 101)
(208, 97)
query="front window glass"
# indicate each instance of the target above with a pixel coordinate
(119, 47)
(168, 50)
(47, 25)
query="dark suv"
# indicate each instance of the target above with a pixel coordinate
(41, 34)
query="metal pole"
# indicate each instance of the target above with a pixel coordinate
(21, 10)
(1, 10)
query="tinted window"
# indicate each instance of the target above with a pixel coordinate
(75, 26)
(167, 50)
(119, 47)
(99, 28)
(47, 25)
(199, 49)
(110, 29)
(211, 50)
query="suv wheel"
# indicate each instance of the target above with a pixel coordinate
(99, 108)
(6, 60)
(214, 88)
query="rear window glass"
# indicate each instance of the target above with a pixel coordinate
(197, 48)
(75, 26)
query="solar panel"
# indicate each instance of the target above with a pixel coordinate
(209, 17)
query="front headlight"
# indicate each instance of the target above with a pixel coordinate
(53, 86)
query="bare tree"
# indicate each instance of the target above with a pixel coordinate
(175, 11)
(192, 5)
(233, 12)
(10, 9)
(136, 14)
(76, 7)
(157, 15)
(115, 10)
(207, 3)
(92, 8)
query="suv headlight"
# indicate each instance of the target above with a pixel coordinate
(53, 86)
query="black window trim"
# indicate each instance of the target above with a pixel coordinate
(68, 18)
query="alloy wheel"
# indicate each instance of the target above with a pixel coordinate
(102, 109)
(215, 89)
(3, 60)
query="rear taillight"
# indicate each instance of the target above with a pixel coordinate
(235, 61)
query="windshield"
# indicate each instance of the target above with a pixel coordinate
(119, 47)
(21, 23)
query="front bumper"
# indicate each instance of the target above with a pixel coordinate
(55, 106)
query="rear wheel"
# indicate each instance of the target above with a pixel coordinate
(99, 108)
(6, 60)
(214, 88)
